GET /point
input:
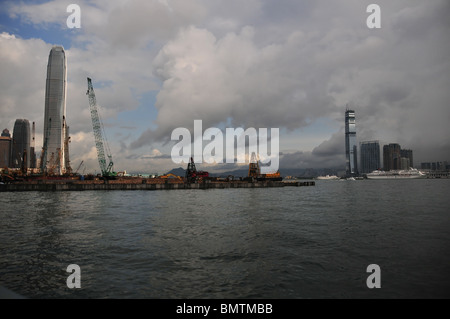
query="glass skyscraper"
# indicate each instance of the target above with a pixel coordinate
(55, 128)
(370, 157)
(351, 150)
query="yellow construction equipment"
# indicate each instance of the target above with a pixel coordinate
(170, 176)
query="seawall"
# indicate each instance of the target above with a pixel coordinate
(108, 186)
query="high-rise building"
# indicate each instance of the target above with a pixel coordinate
(404, 163)
(5, 149)
(55, 127)
(370, 157)
(391, 157)
(351, 151)
(21, 144)
(408, 154)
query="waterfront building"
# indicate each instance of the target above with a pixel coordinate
(437, 166)
(370, 157)
(5, 149)
(351, 151)
(55, 157)
(21, 144)
(404, 163)
(409, 155)
(392, 157)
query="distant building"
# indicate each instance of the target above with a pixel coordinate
(404, 163)
(21, 144)
(5, 149)
(351, 151)
(435, 166)
(409, 155)
(370, 157)
(392, 157)
(396, 158)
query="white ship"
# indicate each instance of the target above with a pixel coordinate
(398, 174)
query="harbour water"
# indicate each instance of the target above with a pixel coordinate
(299, 242)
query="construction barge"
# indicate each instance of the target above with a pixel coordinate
(194, 179)
(148, 184)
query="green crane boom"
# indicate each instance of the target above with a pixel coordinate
(107, 170)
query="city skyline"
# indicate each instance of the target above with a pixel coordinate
(298, 66)
(365, 159)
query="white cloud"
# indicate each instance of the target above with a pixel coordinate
(22, 86)
(258, 63)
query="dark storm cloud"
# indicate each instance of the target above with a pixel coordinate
(310, 68)
(255, 63)
(330, 153)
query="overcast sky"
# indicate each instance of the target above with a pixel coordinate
(287, 64)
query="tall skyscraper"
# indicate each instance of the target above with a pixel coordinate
(392, 157)
(351, 151)
(55, 127)
(5, 149)
(370, 157)
(21, 144)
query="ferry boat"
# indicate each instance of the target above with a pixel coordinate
(412, 173)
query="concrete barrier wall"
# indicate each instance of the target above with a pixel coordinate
(51, 187)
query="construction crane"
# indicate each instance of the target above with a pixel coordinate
(67, 166)
(253, 169)
(81, 164)
(44, 148)
(107, 170)
(192, 175)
